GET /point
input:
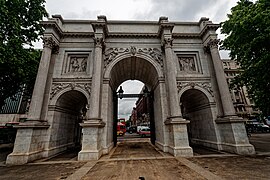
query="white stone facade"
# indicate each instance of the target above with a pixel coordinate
(84, 62)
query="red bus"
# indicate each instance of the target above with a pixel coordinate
(121, 127)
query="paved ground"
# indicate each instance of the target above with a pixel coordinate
(136, 157)
(261, 142)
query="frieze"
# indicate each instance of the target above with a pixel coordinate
(111, 53)
(57, 87)
(205, 85)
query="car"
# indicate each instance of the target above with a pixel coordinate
(132, 129)
(120, 133)
(255, 127)
(144, 132)
(263, 128)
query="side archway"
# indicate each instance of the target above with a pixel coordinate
(198, 106)
(65, 116)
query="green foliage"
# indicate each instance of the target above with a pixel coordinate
(248, 39)
(19, 27)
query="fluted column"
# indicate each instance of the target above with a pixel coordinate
(226, 99)
(97, 78)
(174, 108)
(40, 84)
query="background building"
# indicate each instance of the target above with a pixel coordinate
(243, 104)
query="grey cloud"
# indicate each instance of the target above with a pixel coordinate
(125, 106)
(84, 14)
(183, 10)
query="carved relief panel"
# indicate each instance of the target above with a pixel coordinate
(76, 63)
(189, 63)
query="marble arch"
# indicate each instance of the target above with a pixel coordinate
(80, 54)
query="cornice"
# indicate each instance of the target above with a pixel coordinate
(186, 35)
(167, 25)
(72, 80)
(134, 35)
(208, 27)
(53, 25)
(78, 34)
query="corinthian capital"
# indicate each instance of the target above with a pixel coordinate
(48, 42)
(168, 42)
(213, 43)
(99, 41)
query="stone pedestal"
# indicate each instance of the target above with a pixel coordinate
(178, 144)
(29, 144)
(233, 136)
(91, 142)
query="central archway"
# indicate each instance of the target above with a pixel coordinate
(149, 72)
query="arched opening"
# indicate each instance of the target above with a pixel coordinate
(135, 68)
(196, 108)
(65, 131)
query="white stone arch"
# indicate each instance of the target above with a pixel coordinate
(204, 91)
(54, 100)
(123, 56)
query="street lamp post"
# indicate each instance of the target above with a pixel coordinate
(120, 93)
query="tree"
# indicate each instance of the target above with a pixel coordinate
(19, 28)
(248, 39)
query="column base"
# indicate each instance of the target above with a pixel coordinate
(181, 151)
(233, 135)
(241, 149)
(19, 159)
(89, 155)
(178, 137)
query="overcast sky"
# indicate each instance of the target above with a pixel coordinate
(175, 10)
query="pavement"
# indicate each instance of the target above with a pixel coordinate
(136, 158)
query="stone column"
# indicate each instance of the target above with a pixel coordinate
(93, 124)
(97, 79)
(176, 126)
(174, 108)
(231, 128)
(178, 143)
(91, 145)
(226, 99)
(40, 84)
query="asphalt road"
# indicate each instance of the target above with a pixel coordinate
(261, 142)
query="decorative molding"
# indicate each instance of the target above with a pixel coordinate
(57, 87)
(205, 85)
(111, 53)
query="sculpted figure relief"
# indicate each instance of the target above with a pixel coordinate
(187, 64)
(78, 64)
